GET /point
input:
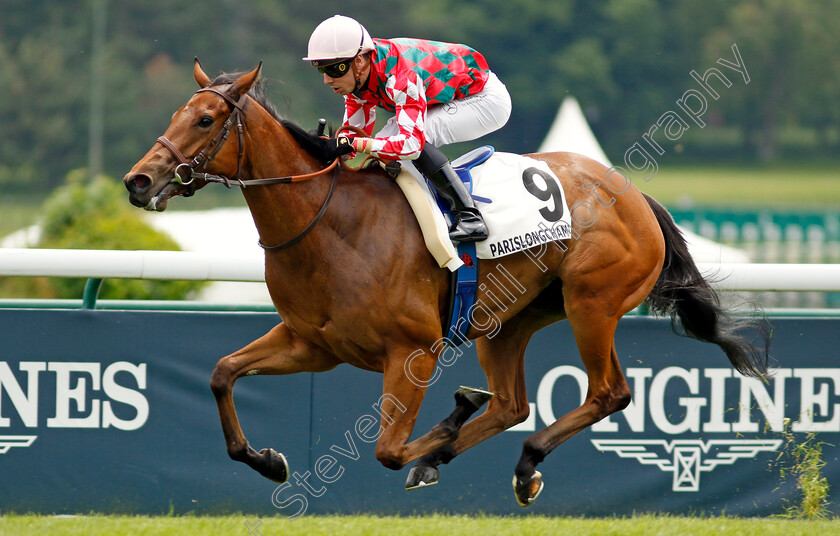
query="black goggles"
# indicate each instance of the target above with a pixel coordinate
(334, 70)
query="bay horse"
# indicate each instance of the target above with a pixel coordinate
(346, 268)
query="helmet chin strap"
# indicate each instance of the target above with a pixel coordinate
(358, 76)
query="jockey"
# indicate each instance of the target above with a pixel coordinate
(440, 93)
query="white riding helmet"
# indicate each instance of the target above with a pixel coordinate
(338, 38)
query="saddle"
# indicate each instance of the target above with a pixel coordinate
(463, 263)
(520, 198)
(463, 164)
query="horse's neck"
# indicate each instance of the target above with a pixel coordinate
(366, 238)
(367, 217)
(280, 211)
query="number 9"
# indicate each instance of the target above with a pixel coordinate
(551, 190)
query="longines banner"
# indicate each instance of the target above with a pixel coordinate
(104, 411)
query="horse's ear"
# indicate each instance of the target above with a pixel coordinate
(246, 82)
(199, 75)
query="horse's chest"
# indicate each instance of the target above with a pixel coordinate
(352, 339)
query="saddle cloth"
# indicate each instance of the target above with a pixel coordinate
(521, 199)
(522, 202)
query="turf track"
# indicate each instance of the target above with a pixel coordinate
(435, 525)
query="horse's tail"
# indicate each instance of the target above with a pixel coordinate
(683, 293)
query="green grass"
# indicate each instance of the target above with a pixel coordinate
(788, 185)
(804, 462)
(433, 525)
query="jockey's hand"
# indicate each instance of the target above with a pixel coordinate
(336, 147)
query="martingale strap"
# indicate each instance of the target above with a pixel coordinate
(311, 225)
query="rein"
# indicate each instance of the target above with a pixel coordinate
(185, 172)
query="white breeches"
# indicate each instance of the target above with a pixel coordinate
(463, 119)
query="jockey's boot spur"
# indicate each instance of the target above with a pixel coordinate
(467, 223)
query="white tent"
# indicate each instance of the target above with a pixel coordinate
(570, 132)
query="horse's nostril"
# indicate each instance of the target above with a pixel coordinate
(139, 183)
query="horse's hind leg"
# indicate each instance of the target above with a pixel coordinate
(404, 386)
(608, 392)
(277, 352)
(468, 400)
(502, 359)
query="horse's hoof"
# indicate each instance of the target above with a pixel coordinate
(527, 492)
(276, 467)
(421, 476)
(476, 397)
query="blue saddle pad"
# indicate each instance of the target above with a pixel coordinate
(462, 166)
(463, 281)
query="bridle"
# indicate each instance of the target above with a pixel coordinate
(185, 171)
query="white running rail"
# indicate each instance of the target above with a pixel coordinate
(221, 267)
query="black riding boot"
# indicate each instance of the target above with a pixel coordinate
(467, 223)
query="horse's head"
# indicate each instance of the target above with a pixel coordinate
(194, 141)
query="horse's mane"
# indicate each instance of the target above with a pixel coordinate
(308, 139)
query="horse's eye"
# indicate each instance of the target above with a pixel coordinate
(205, 121)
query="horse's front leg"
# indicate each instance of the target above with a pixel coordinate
(406, 377)
(279, 351)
